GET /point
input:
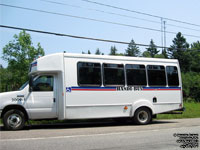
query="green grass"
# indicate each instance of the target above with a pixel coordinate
(192, 111)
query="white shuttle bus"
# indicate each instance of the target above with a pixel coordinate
(80, 86)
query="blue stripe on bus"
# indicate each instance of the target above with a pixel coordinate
(87, 88)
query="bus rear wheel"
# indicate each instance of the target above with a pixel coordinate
(142, 116)
(14, 120)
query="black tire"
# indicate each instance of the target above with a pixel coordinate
(142, 116)
(14, 120)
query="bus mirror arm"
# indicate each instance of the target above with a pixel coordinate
(30, 83)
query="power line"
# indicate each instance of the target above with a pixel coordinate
(79, 17)
(117, 14)
(80, 37)
(138, 12)
(96, 20)
(97, 10)
(68, 35)
(183, 27)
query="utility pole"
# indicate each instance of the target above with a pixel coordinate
(164, 33)
(161, 20)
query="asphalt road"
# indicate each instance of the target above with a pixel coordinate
(107, 135)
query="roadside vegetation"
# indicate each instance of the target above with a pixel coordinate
(192, 110)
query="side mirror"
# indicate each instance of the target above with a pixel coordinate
(30, 83)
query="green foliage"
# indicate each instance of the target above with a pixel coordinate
(159, 56)
(113, 50)
(119, 54)
(195, 57)
(19, 53)
(132, 49)
(152, 49)
(164, 53)
(89, 52)
(191, 111)
(98, 52)
(191, 86)
(5, 77)
(179, 50)
(146, 54)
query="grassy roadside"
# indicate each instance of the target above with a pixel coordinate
(192, 111)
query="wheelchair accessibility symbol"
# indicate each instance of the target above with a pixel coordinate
(68, 89)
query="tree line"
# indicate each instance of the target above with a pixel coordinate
(20, 52)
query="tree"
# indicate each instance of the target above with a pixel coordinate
(19, 53)
(164, 53)
(113, 50)
(146, 54)
(159, 56)
(152, 49)
(89, 52)
(5, 79)
(191, 86)
(195, 56)
(98, 52)
(132, 49)
(179, 50)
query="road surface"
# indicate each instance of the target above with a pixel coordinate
(160, 135)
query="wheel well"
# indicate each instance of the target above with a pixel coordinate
(18, 107)
(146, 108)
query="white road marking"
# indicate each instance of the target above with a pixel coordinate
(90, 135)
(72, 136)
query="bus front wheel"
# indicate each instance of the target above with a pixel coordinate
(14, 120)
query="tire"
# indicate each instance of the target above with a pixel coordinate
(142, 116)
(14, 120)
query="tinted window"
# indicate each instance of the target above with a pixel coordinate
(172, 76)
(114, 74)
(156, 75)
(43, 83)
(89, 74)
(136, 75)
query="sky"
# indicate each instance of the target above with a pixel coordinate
(183, 10)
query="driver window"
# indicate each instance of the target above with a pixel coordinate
(43, 83)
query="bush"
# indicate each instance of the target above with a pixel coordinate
(191, 86)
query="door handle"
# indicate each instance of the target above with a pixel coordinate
(154, 100)
(54, 100)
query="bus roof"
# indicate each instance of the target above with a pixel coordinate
(123, 58)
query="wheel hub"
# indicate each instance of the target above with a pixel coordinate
(14, 120)
(142, 116)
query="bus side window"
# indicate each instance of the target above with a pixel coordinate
(156, 75)
(136, 75)
(113, 74)
(172, 76)
(89, 74)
